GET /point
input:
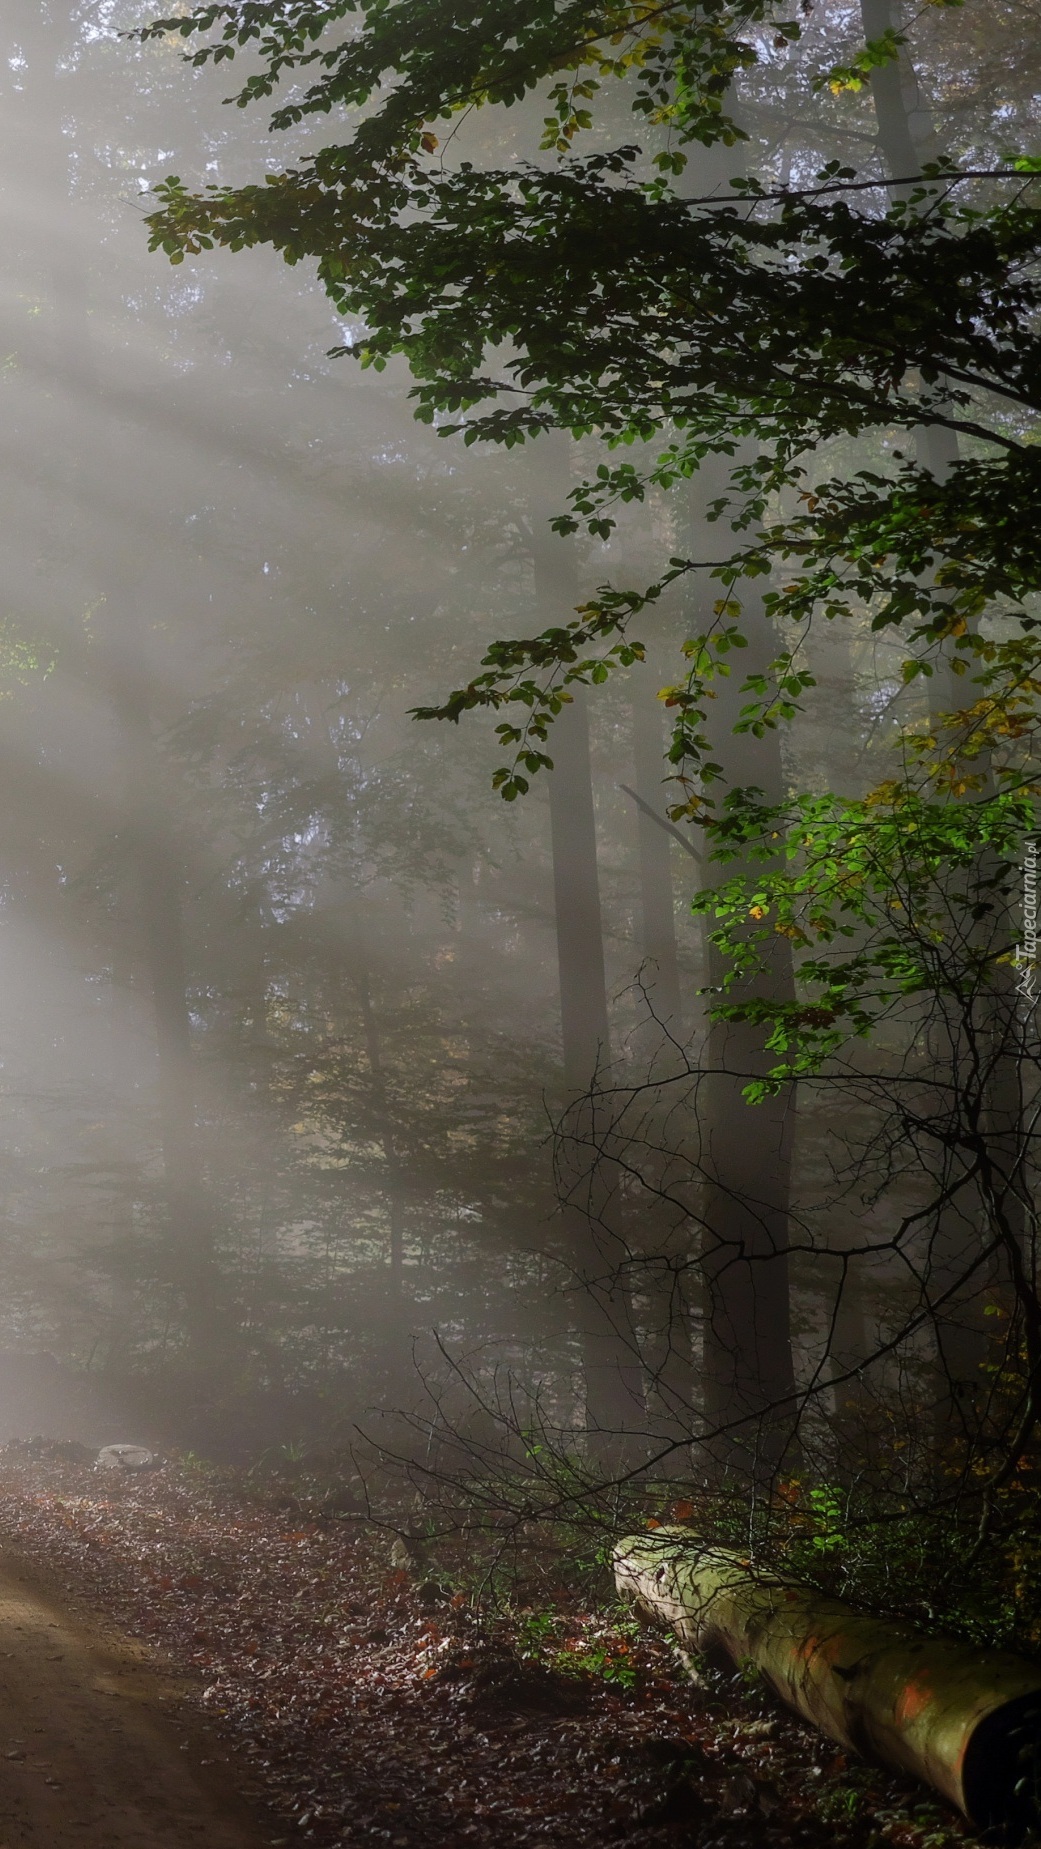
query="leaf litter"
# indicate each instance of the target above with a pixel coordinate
(372, 1709)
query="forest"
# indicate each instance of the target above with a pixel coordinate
(520, 697)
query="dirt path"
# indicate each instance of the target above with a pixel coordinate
(300, 1668)
(94, 1749)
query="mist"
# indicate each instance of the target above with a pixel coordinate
(281, 998)
(518, 923)
(334, 1085)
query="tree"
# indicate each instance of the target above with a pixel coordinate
(789, 317)
(592, 293)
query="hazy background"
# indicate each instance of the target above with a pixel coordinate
(279, 999)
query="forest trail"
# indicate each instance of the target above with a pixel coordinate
(188, 1607)
(94, 1750)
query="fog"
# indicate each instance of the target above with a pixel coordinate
(278, 965)
(284, 984)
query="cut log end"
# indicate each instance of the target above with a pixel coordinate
(1001, 1773)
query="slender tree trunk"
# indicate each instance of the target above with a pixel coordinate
(747, 1337)
(747, 1149)
(576, 885)
(747, 1369)
(348, 965)
(665, 1309)
(669, 1360)
(395, 1176)
(657, 913)
(832, 738)
(894, 95)
(156, 868)
(611, 1362)
(576, 891)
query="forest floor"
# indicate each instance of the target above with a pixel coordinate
(98, 1749)
(285, 1659)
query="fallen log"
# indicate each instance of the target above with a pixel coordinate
(966, 1721)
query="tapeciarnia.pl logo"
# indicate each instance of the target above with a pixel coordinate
(1026, 951)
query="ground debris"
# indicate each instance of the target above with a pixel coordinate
(497, 1678)
(368, 1714)
(59, 1450)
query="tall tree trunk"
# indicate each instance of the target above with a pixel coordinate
(576, 885)
(665, 1290)
(749, 1375)
(348, 974)
(657, 914)
(395, 1176)
(961, 1333)
(832, 739)
(576, 891)
(611, 1363)
(156, 868)
(748, 1390)
(894, 95)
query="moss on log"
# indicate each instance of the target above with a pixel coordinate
(966, 1721)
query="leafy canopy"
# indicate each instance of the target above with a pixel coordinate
(587, 293)
(589, 288)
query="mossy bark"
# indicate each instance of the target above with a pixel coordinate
(966, 1721)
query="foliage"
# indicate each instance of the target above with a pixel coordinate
(590, 292)
(777, 320)
(917, 1562)
(449, 59)
(587, 297)
(894, 897)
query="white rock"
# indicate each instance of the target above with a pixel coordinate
(124, 1457)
